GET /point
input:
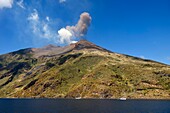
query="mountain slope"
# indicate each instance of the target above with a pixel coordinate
(81, 70)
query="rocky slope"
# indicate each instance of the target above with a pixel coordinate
(81, 70)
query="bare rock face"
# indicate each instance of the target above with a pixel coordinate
(81, 70)
(51, 50)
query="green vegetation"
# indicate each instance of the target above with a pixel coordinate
(83, 73)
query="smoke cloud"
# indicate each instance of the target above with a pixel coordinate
(70, 33)
(65, 36)
(81, 28)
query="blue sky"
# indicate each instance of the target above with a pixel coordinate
(135, 27)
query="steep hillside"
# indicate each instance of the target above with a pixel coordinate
(81, 70)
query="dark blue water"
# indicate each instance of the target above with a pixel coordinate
(83, 106)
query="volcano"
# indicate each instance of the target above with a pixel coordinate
(81, 70)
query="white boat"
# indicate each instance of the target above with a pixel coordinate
(122, 98)
(78, 98)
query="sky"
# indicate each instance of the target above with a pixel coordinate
(139, 28)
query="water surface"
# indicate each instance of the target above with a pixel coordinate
(83, 106)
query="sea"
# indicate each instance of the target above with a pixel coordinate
(83, 106)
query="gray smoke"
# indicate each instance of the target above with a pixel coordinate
(71, 33)
(81, 28)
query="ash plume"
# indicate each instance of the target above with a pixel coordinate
(78, 31)
(81, 28)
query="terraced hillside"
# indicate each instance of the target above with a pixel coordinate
(81, 70)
